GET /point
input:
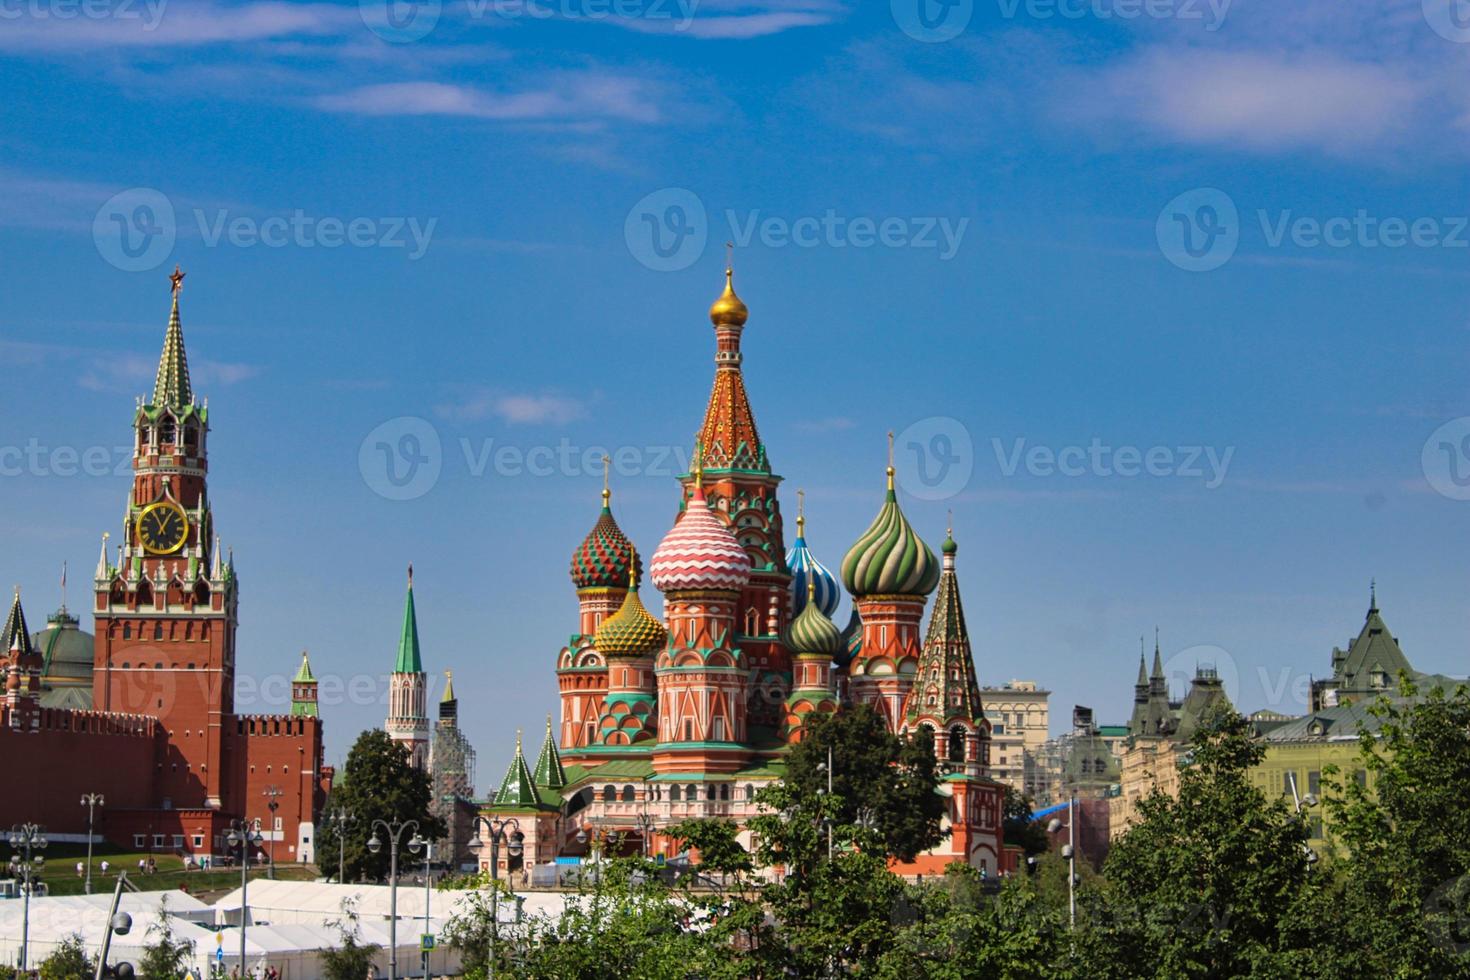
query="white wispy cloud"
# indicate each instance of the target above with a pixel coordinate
(1251, 100)
(513, 408)
(591, 95)
(169, 23)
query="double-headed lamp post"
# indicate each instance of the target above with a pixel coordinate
(1069, 851)
(506, 831)
(242, 834)
(341, 818)
(91, 801)
(273, 794)
(26, 839)
(395, 830)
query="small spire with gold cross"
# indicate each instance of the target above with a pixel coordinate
(606, 486)
(891, 470)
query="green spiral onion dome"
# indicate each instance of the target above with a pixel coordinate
(631, 631)
(812, 632)
(890, 558)
(606, 556)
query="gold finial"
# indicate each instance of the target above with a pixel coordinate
(699, 464)
(548, 724)
(949, 524)
(811, 590)
(890, 459)
(729, 310)
(177, 281)
(448, 674)
(606, 470)
(800, 513)
(518, 741)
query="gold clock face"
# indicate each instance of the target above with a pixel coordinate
(162, 528)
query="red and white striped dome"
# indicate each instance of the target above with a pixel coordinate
(699, 552)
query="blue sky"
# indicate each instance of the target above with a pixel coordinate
(1060, 243)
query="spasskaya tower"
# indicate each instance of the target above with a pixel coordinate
(166, 608)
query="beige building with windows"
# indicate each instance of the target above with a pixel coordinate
(1019, 715)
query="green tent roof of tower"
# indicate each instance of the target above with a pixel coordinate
(304, 675)
(409, 660)
(171, 387)
(549, 771)
(518, 788)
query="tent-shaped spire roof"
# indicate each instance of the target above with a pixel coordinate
(409, 660)
(946, 689)
(1373, 660)
(549, 772)
(171, 387)
(304, 675)
(518, 788)
(15, 635)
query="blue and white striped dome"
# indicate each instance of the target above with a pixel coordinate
(805, 568)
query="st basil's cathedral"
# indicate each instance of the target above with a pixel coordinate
(663, 721)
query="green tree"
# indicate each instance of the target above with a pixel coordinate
(380, 783)
(1207, 884)
(165, 955)
(1406, 876)
(352, 957)
(955, 928)
(883, 780)
(69, 961)
(623, 922)
(1020, 829)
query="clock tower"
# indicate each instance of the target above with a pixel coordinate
(166, 606)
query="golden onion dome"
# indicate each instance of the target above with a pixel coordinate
(728, 310)
(631, 631)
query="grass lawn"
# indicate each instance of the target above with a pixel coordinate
(60, 874)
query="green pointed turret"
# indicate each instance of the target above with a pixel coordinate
(549, 772)
(171, 388)
(304, 691)
(15, 634)
(518, 788)
(409, 661)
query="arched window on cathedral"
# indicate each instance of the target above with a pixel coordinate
(752, 622)
(691, 793)
(724, 791)
(628, 794)
(957, 736)
(609, 794)
(749, 791)
(674, 794)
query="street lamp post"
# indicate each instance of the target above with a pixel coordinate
(428, 893)
(26, 838)
(508, 831)
(341, 818)
(273, 794)
(91, 801)
(241, 835)
(827, 766)
(1069, 851)
(395, 830)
